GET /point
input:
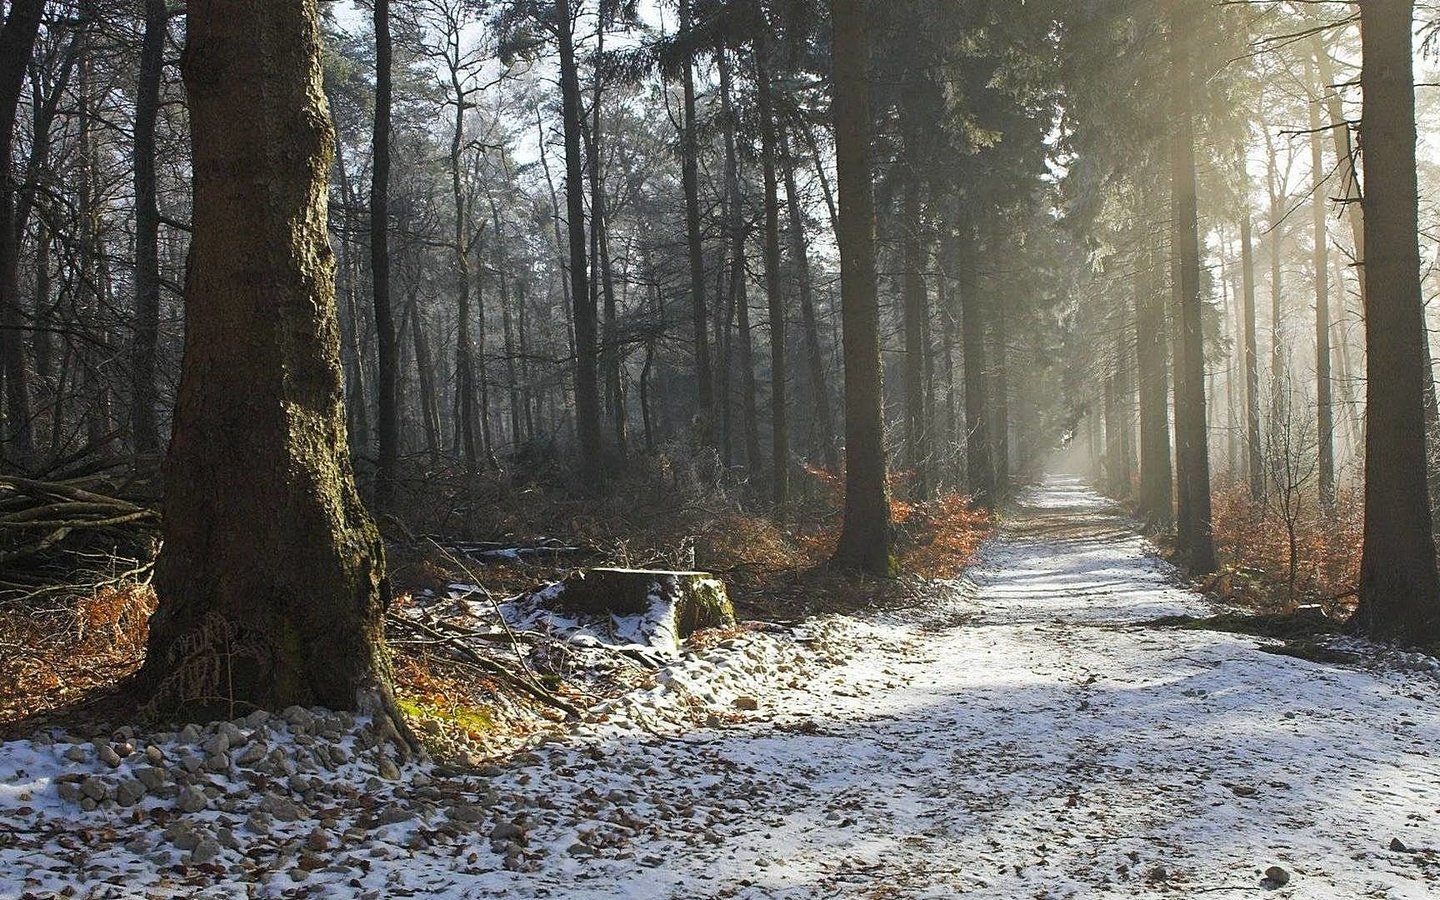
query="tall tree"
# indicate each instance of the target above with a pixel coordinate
(1399, 588)
(17, 42)
(144, 396)
(769, 148)
(690, 180)
(270, 580)
(388, 357)
(865, 536)
(1325, 420)
(979, 448)
(1254, 465)
(588, 426)
(1157, 486)
(1194, 541)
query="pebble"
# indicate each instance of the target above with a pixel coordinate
(1277, 876)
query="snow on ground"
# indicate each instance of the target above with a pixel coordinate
(1026, 738)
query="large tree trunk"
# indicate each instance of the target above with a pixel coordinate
(143, 398)
(270, 580)
(17, 43)
(1399, 589)
(865, 536)
(1194, 541)
(388, 395)
(779, 421)
(690, 179)
(1325, 419)
(588, 427)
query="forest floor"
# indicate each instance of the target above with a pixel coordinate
(1032, 733)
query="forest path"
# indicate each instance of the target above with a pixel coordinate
(1049, 747)
(1024, 736)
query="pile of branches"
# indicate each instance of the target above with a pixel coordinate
(78, 533)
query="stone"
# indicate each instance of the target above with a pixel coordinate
(1277, 876)
(749, 704)
(217, 744)
(318, 841)
(281, 808)
(468, 813)
(252, 754)
(256, 719)
(507, 831)
(1158, 873)
(1398, 846)
(69, 791)
(155, 755)
(190, 733)
(129, 792)
(94, 788)
(387, 769)
(182, 835)
(206, 851)
(191, 800)
(299, 719)
(151, 777)
(107, 755)
(77, 754)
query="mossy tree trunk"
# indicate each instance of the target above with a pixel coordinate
(270, 577)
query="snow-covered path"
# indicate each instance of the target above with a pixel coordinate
(1051, 748)
(1027, 740)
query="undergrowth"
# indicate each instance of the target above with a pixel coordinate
(1252, 540)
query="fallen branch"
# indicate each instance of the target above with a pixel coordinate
(488, 666)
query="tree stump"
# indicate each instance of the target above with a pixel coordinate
(688, 601)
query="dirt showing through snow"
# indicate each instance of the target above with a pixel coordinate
(1028, 737)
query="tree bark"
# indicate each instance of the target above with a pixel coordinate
(270, 580)
(1399, 590)
(865, 536)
